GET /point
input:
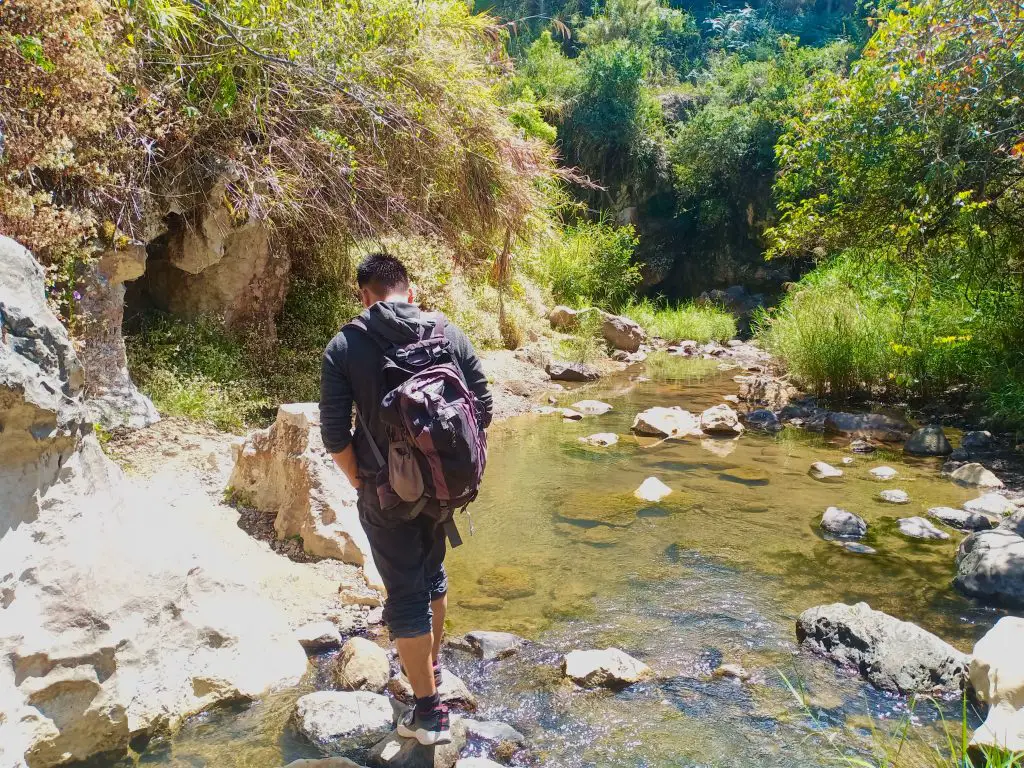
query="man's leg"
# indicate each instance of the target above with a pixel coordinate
(417, 660)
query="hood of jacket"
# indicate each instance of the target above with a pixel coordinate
(396, 321)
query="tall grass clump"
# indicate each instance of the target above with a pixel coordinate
(684, 321)
(592, 264)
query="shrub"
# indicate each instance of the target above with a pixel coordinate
(593, 264)
(683, 321)
(586, 343)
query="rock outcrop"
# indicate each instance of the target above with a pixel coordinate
(893, 655)
(284, 470)
(112, 399)
(997, 679)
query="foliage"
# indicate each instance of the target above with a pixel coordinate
(586, 343)
(919, 153)
(667, 34)
(679, 322)
(592, 264)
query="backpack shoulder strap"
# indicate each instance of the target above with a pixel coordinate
(359, 325)
(440, 324)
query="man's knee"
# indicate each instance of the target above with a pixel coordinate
(409, 615)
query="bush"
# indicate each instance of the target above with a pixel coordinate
(593, 264)
(683, 321)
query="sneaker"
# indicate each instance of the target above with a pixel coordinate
(428, 729)
(437, 675)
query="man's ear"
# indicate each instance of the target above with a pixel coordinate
(412, 293)
(366, 298)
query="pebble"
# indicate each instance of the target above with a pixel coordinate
(883, 473)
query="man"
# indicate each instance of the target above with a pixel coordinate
(408, 553)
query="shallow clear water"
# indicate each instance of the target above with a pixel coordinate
(563, 553)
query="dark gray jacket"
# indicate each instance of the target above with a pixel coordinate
(351, 373)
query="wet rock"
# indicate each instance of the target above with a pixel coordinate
(507, 582)
(990, 567)
(719, 446)
(857, 548)
(825, 472)
(609, 668)
(894, 496)
(861, 446)
(601, 439)
(991, 504)
(326, 762)
(563, 371)
(652, 489)
(997, 679)
(720, 420)
(284, 471)
(977, 442)
(975, 476)
(766, 390)
(928, 441)
(666, 422)
(396, 752)
(684, 348)
(453, 691)
(749, 476)
(762, 420)
(482, 603)
(961, 519)
(622, 333)
(893, 655)
(631, 358)
(591, 407)
(566, 413)
(318, 636)
(873, 426)
(882, 473)
(839, 522)
(493, 645)
(493, 732)
(734, 671)
(340, 721)
(920, 528)
(362, 666)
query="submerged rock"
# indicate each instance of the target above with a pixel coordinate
(507, 582)
(362, 665)
(991, 504)
(610, 668)
(997, 679)
(493, 732)
(667, 422)
(894, 496)
(928, 441)
(873, 426)
(975, 476)
(959, 518)
(882, 473)
(857, 548)
(562, 371)
(591, 407)
(652, 489)
(318, 636)
(601, 439)
(990, 567)
(340, 721)
(396, 752)
(920, 528)
(720, 420)
(734, 671)
(839, 522)
(762, 420)
(893, 655)
(825, 472)
(493, 645)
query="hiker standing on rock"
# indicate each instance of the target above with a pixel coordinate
(418, 455)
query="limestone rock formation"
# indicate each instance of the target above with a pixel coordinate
(362, 665)
(893, 655)
(667, 422)
(340, 721)
(990, 567)
(610, 668)
(997, 678)
(284, 470)
(112, 398)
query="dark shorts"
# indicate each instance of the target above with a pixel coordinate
(409, 554)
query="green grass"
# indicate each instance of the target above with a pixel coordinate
(685, 321)
(585, 344)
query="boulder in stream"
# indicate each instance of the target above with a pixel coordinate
(920, 528)
(493, 732)
(396, 752)
(622, 333)
(997, 679)
(608, 668)
(979, 441)
(990, 567)
(341, 721)
(839, 522)
(563, 371)
(894, 496)
(667, 422)
(959, 518)
(652, 489)
(591, 407)
(720, 420)
(882, 473)
(453, 691)
(928, 441)
(362, 665)
(990, 504)
(975, 475)
(493, 645)
(318, 636)
(825, 472)
(762, 420)
(872, 426)
(893, 655)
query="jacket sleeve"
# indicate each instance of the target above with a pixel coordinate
(472, 370)
(335, 397)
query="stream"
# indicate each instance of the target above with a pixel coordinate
(563, 554)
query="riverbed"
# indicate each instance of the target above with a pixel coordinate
(562, 553)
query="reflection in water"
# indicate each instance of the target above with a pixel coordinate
(564, 554)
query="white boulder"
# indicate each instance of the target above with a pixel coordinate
(721, 420)
(997, 678)
(652, 489)
(610, 667)
(667, 422)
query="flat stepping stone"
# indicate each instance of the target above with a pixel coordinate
(894, 496)
(340, 721)
(961, 518)
(493, 732)
(396, 752)
(920, 528)
(609, 668)
(825, 472)
(453, 691)
(991, 504)
(882, 473)
(493, 645)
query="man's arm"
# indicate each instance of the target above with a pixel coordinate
(473, 371)
(336, 409)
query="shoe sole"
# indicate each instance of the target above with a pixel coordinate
(424, 737)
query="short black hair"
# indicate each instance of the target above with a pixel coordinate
(382, 273)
